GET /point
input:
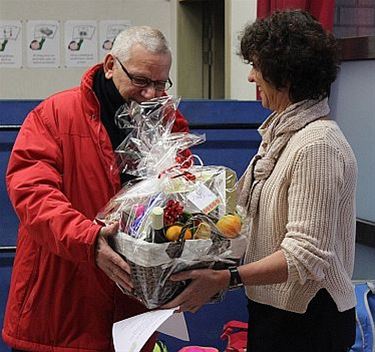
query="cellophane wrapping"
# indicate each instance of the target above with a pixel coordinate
(197, 203)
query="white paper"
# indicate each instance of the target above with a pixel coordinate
(80, 43)
(131, 334)
(203, 198)
(43, 44)
(108, 31)
(175, 326)
(10, 44)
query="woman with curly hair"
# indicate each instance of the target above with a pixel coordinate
(298, 198)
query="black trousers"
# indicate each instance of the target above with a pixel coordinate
(321, 329)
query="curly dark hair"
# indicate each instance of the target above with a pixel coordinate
(290, 48)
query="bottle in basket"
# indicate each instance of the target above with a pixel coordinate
(157, 234)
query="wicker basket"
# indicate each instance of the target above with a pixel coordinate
(153, 263)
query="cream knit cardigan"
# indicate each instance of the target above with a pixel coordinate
(306, 208)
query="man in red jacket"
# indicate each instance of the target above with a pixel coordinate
(63, 295)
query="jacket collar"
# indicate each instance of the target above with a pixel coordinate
(90, 102)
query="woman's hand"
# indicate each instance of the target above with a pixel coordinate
(205, 283)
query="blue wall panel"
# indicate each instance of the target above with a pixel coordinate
(7, 216)
(230, 147)
(223, 111)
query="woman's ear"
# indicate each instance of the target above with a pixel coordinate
(108, 65)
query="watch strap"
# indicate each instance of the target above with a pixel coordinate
(235, 278)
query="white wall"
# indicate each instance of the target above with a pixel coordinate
(353, 107)
(237, 14)
(37, 83)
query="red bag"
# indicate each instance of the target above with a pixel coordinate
(236, 333)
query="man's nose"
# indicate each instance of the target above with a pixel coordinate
(150, 92)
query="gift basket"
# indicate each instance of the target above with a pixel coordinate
(177, 216)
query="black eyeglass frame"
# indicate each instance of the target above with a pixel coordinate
(158, 85)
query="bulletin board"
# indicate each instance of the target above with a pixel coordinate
(67, 28)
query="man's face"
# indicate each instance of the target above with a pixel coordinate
(141, 63)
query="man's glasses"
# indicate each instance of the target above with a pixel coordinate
(144, 82)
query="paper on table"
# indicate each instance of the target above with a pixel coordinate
(131, 334)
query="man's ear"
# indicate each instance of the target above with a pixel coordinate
(108, 65)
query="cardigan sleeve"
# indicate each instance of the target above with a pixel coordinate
(313, 211)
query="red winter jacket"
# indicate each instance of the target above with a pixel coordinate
(58, 178)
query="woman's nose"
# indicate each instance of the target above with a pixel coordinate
(251, 76)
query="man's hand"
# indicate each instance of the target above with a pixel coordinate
(111, 262)
(205, 283)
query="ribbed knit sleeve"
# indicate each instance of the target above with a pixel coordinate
(313, 203)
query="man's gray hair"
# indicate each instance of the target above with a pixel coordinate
(150, 38)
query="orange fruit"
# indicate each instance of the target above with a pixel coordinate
(173, 233)
(230, 225)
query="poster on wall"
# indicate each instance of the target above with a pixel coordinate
(81, 43)
(10, 44)
(108, 31)
(43, 43)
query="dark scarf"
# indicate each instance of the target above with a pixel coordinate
(110, 101)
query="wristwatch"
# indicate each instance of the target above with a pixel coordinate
(235, 278)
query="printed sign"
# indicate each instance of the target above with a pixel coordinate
(108, 32)
(80, 43)
(43, 44)
(10, 44)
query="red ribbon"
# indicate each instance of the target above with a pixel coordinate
(179, 169)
